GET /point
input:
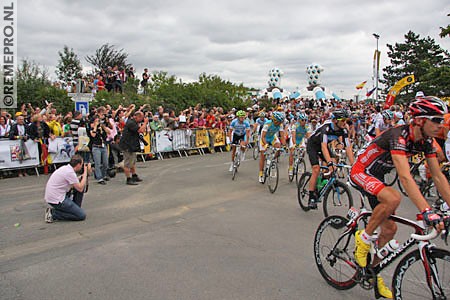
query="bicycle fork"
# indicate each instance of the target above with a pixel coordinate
(431, 271)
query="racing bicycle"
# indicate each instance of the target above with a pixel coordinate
(335, 195)
(270, 173)
(237, 160)
(423, 273)
(299, 166)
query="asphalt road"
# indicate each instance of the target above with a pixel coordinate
(187, 232)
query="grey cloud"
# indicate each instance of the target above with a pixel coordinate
(239, 40)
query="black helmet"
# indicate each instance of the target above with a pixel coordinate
(339, 114)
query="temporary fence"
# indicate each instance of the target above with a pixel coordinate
(19, 154)
(182, 141)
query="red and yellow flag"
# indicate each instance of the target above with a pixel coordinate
(361, 85)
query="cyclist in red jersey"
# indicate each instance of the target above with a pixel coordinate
(391, 150)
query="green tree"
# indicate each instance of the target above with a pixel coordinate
(418, 56)
(445, 31)
(34, 87)
(69, 66)
(108, 56)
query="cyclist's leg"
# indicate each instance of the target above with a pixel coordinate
(243, 144)
(291, 154)
(314, 160)
(261, 160)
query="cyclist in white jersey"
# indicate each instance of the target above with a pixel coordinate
(239, 134)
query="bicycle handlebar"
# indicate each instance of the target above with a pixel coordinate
(432, 235)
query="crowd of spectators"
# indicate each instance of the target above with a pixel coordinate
(103, 125)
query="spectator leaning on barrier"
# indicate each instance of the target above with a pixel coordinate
(168, 122)
(64, 205)
(4, 127)
(156, 124)
(129, 143)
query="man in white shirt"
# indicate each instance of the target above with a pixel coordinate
(57, 191)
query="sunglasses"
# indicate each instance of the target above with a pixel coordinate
(342, 119)
(436, 120)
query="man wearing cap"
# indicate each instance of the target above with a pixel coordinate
(19, 132)
(168, 122)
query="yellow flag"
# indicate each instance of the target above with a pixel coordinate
(393, 92)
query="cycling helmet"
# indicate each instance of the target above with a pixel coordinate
(427, 106)
(278, 116)
(387, 114)
(339, 114)
(302, 116)
(262, 114)
(240, 113)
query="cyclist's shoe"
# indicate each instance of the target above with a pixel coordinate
(261, 177)
(381, 290)
(291, 170)
(231, 167)
(312, 203)
(361, 250)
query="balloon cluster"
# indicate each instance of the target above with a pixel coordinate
(314, 71)
(275, 77)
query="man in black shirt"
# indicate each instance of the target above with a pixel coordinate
(129, 143)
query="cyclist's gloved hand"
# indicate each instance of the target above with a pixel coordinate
(431, 218)
(330, 164)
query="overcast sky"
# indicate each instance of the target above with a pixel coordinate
(239, 40)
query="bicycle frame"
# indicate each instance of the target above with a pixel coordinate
(331, 180)
(419, 229)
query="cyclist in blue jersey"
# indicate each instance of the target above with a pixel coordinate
(299, 131)
(260, 122)
(239, 134)
(269, 137)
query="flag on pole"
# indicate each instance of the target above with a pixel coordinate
(393, 92)
(361, 85)
(370, 92)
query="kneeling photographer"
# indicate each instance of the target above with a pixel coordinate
(64, 191)
(129, 143)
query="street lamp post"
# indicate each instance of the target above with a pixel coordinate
(377, 58)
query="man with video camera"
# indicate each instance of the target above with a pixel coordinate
(64, 191)
(130, 144)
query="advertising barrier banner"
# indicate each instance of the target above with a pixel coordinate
(18, 154)
(201, 138)
(218, 136)
(164, 141)
(60, 150)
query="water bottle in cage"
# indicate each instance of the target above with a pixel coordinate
(390, 247)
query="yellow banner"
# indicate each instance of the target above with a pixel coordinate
(201, 138)
(393, 92)
(401, 84)
(148, 148)
(218, 136)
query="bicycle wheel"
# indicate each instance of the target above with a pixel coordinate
(333, 255)
(337, 199)
(256, 152)
(391, 177)
(233, 174)
(410, 277)
(272, 177)
(303, 191)
(299, 169)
